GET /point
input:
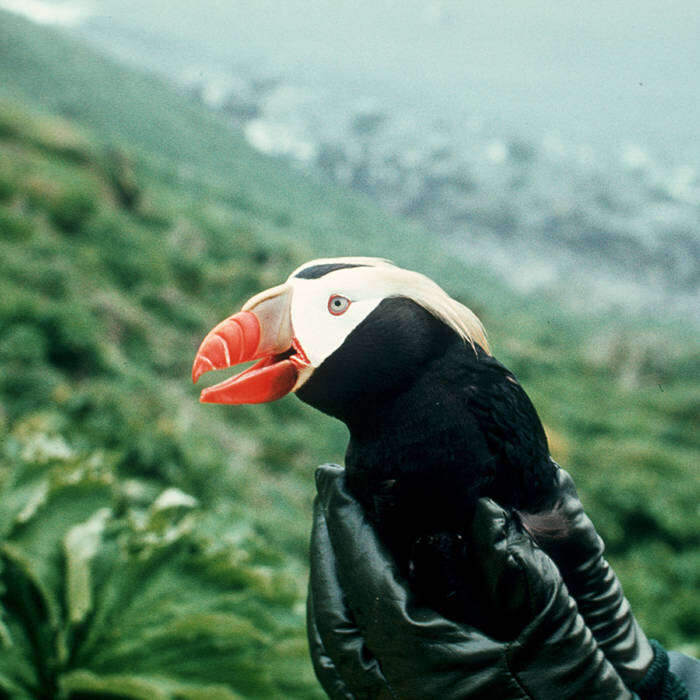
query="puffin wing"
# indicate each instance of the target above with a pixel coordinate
(514, 435)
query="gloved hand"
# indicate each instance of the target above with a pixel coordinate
(567, 535)
(369, 639)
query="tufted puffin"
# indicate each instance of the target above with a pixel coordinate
(435, 421)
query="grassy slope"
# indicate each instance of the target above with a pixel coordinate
(115, 262)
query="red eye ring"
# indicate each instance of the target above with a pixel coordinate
(338, 304)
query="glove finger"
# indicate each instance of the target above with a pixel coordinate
(338, 650)
(517, 579)
(323, 664)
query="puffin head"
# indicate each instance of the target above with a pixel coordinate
(338, 332)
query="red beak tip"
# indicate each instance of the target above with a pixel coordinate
(198, 369)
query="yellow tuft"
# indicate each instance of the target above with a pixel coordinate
(433, 298)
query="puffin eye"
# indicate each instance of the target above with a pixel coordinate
(338, 304)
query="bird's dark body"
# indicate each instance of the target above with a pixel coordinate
(435, 423)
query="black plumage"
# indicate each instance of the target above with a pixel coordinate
(435, 423)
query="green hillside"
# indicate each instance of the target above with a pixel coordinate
(157, 547)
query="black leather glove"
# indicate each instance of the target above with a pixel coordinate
(369, 640)
(567, 535)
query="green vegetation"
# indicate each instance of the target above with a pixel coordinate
(154, 547)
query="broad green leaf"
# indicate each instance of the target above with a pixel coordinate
(30, 632)
(18, 673)
(37, 541)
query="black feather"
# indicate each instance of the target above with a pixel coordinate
(314, 272)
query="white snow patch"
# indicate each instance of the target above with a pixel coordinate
(496, 151)
(278, 139)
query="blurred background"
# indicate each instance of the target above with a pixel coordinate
(160, 162)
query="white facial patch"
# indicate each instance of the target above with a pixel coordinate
(320, 332)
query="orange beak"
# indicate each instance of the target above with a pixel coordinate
(261, 331)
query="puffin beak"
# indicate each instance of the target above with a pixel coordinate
(261, 331)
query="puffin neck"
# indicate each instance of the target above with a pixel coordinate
(425, 409)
